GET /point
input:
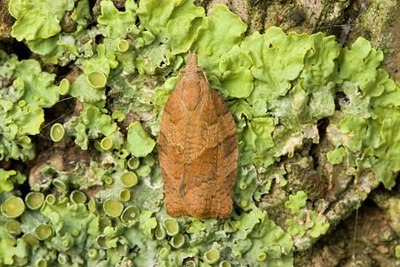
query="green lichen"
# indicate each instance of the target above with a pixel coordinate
(139, 144)
(37, 19)
(296, 202)
(280, 88)
(336, 156)
(93, 123)
(10, 179)
(38, 23)
(34, 200)
(397, 251)
(26, 90)
(57, 132)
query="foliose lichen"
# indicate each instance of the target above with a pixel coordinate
(26, 90)
(280, 89)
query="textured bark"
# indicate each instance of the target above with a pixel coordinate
(366, 238)
(198, 148)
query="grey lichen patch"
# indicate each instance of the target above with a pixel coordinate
(374, 20)
(301, 175)
(324, 15)
(367, 237)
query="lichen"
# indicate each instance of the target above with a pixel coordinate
(10, 179)
(26, 90)
(288, 93)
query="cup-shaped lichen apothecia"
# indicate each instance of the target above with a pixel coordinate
(211, 256)
(50, 199)
(61, 185)
(262, 256)
(160, 233)
(92, 253)
(130, 214)
(108, 180)
(224, 264)
(77, 197)
(34, 200)
(97, 79)
(112, 207)
(177, 241)
(133, 163)
(106, 143)
(123, 45)
(121, 249)
(171, 226)
(62, 258)
(129, 179)
(67, 241)
(9, 240)
(13, 227)
(30, 239)
(101, 241)
(164, 252)
(124, 195)
(41, 263)
(64, 87)
(57, 132)
(43, 232)
(13, 207)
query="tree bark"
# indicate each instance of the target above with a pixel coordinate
(365, 235)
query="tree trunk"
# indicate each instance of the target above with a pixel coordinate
(363, 232)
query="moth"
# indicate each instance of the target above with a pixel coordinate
(197, 148)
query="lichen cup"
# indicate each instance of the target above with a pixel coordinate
(160, 232)
(34, 200)
(57, 132)
(77, 197)
(124, 195)
(224, 264)
(64, 87)
(13, 227)
(129, 179)
(211, 256)
(112, 207)
(177, 241)
(123, 45)
(164, 252)
(43, 232)
(106, 143)
(130, 214)
(262, 256)
(97, 79)
(13, 207)
(171, 226)
(133, 163)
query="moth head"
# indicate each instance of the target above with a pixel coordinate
(191, 67)
(193, 82)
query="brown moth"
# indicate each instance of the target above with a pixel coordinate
(197, 148)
